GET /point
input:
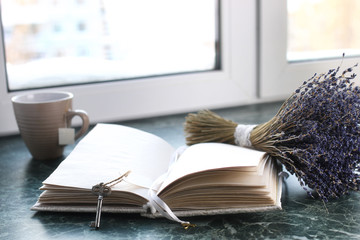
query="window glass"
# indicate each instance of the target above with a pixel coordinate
(323, 29)
(53, 43)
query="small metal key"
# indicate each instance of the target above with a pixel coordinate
(102, 191)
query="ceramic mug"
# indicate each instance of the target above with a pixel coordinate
(40, 116)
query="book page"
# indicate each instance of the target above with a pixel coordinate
(223, 188)
(207, 156)
(107, 152)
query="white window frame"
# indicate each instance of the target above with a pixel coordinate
(233, 85)
(278, 77)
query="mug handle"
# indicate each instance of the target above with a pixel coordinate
(85, 121)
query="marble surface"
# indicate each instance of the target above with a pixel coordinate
(301, 217)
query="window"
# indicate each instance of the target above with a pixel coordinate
(118, 39)
(282, 68)
(339, 31)
(232, 84)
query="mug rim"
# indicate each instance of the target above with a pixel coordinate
(47, 97)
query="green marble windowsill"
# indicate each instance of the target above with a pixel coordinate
(301, 217)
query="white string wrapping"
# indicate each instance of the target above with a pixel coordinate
(242, 135)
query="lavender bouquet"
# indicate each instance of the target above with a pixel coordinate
(315, 134)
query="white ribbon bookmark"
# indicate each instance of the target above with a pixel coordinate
(164, 209)
(157, 204)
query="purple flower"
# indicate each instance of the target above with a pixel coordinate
(317, 134)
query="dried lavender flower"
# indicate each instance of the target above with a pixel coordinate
(316, 136)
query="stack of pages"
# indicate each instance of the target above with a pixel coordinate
(203, 179)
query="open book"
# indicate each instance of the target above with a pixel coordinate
(203, 179)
